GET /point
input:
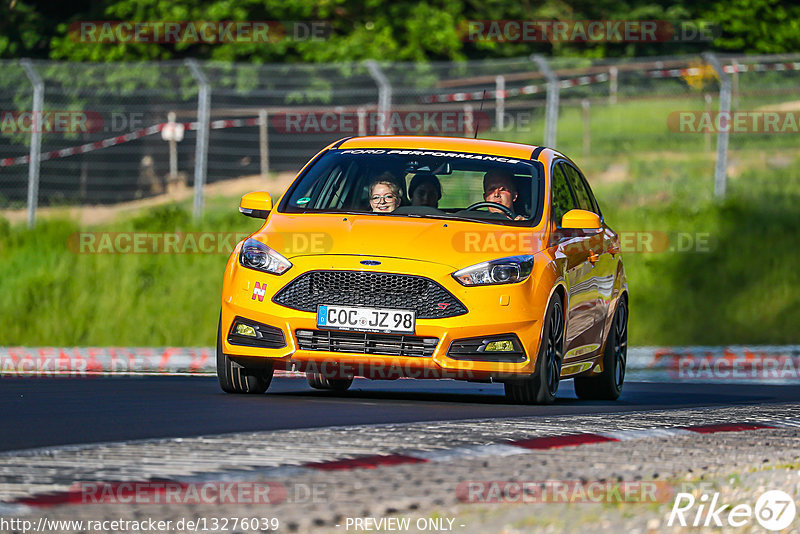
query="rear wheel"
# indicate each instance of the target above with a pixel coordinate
(608, 385)
(318, 381)
(541, 388)
(234, 378)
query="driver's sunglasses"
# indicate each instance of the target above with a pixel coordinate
(386, 198)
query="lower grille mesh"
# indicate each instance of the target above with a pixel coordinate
(366, 343)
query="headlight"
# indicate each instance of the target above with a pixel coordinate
(503, 271)
(256, 255)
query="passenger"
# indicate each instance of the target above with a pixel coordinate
(499, 187)
(384, 194)
(425, 190)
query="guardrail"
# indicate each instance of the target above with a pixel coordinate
(755, 363)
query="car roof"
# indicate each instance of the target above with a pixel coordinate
(455, 144)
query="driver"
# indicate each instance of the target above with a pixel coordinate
(499, 187)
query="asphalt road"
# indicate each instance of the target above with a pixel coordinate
(41, 412)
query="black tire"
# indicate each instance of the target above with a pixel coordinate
(318, 381)
(541, 388)
(608, 385)
(234, 378)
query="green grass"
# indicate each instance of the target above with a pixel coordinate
(53, 296)
(743, 288)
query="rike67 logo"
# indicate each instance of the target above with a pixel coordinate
(774, 510)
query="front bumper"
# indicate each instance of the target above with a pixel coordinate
(491, 310)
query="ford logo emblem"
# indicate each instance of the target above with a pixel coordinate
(370, 262)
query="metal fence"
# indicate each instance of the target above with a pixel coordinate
(80, 133)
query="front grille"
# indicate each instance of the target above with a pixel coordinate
(374, 290)
(366, 343)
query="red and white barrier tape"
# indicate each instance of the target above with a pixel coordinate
(118, 140)
(601, 78)
(508, 93)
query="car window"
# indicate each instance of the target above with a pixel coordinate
(578, 187)
(591, 194)
(446, 183)
(563, 200)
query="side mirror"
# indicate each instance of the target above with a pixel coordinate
(257, 204)
(580, 219)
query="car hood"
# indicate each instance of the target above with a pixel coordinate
(457, 244)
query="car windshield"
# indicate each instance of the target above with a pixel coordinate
(420, 183)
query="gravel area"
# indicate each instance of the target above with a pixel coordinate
(740, 465)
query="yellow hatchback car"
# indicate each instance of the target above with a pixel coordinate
(428, 257)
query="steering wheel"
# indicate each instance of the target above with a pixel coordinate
(487, 204)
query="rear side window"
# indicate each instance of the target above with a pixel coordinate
(585, 200)
(562, 197)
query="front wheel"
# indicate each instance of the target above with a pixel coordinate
(608, 385)
(541, 388)
(234, 378)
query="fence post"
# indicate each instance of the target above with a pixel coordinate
(613, 74)
(362, 121)
(173, 148)
(499, 102)
(721, 168)
(707, 134)
(263, 139)
(587, 134)
(551, 111)
(384, 96)
(469, 121)
(203, 118)
(36, 139)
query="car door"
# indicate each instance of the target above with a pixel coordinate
(601, 279)
(572, 250)
(608, 263)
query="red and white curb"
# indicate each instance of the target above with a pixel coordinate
(121, 490)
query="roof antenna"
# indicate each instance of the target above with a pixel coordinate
(478, 118)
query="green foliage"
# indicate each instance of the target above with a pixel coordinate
(400, 30)
(756, 26)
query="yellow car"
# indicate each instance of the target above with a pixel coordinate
(428, 257)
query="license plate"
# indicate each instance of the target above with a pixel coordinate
(380, 320)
